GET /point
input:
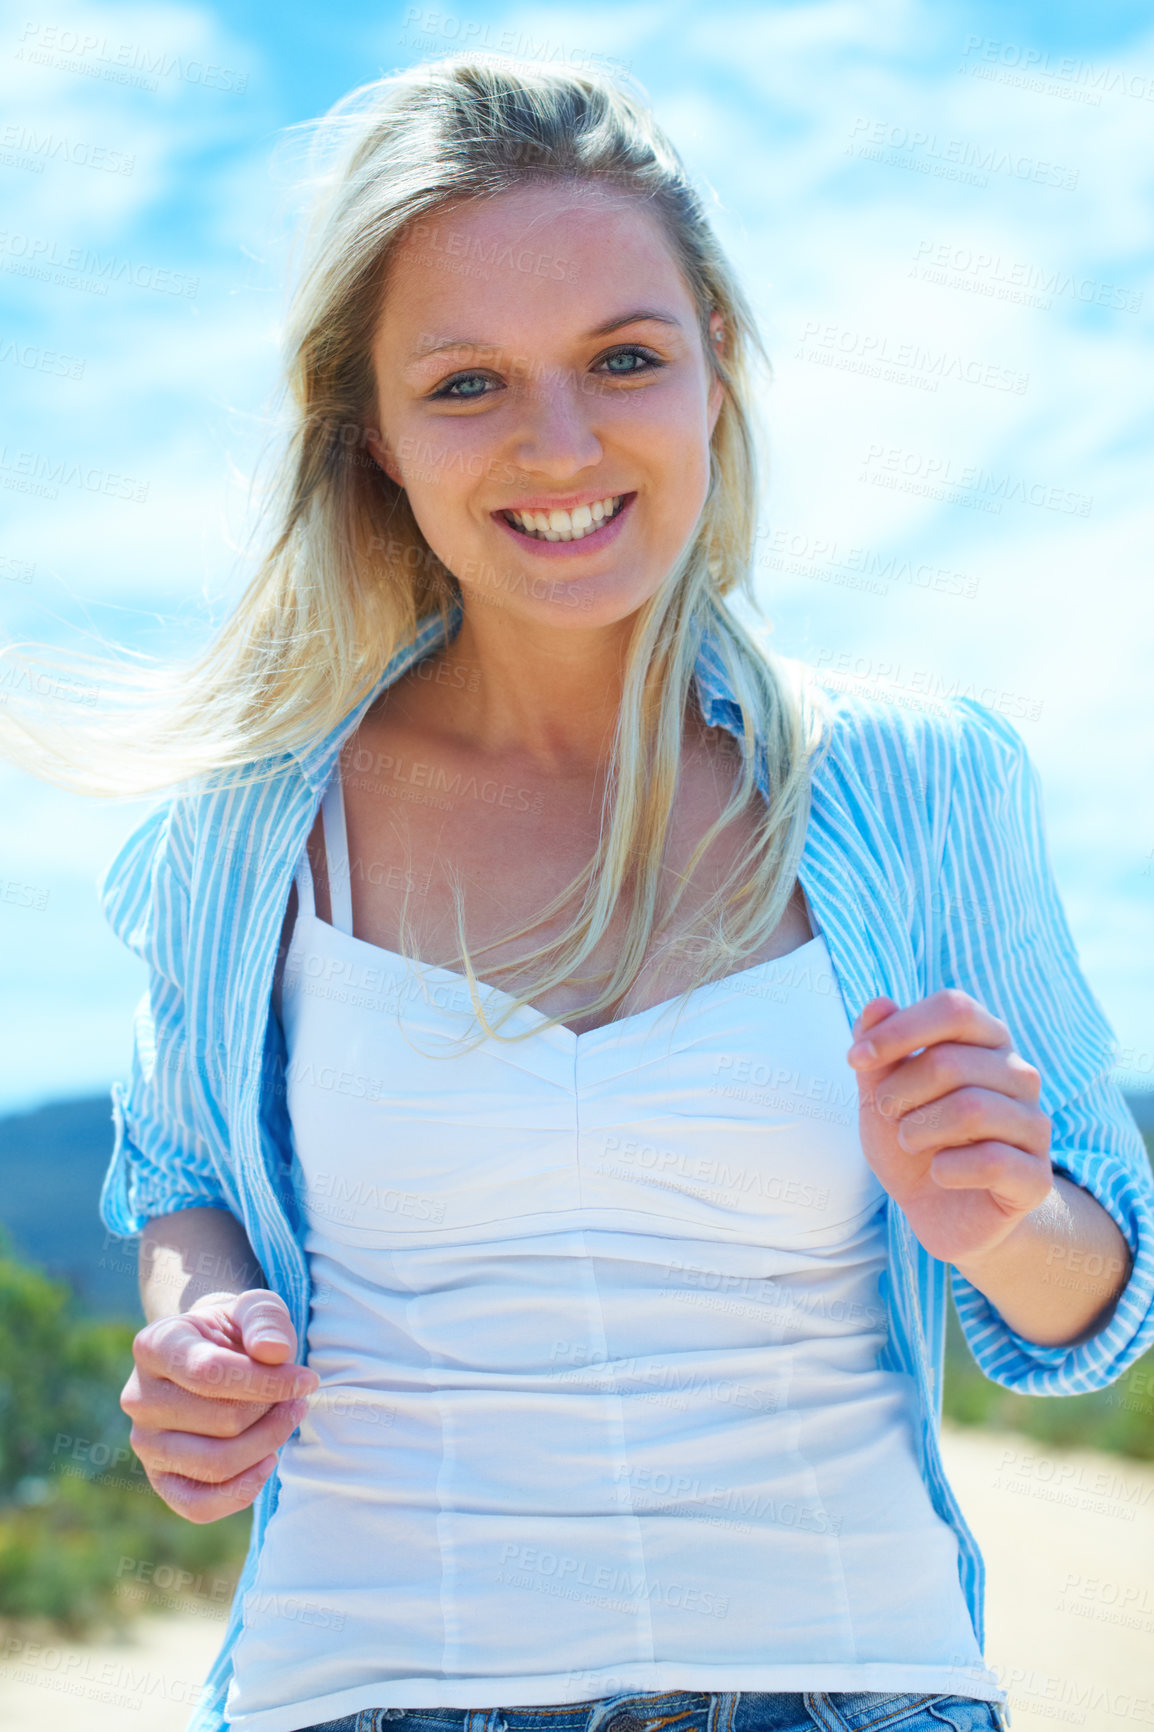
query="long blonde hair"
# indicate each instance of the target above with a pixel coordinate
(349, 575)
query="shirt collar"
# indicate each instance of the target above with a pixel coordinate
(719, 707)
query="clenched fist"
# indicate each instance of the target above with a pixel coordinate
(213, 1396)
(949, 1120)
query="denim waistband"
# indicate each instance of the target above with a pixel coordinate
(699, 1711)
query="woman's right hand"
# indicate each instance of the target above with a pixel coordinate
(213, 1395)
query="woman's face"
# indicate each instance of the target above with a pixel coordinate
(567, 370)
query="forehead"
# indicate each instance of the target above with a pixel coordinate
(560, 251)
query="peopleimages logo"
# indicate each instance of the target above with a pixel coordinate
(121, 62)
(670, 1490)
(37, 360)
(877, 355)
(346, 1199)
(1019, 281)
(716, 1175)
(961, 159)
(821, 557)
(940, 477)
(291, 1606)
(17, 140)
(530, 1566)
(37, 255)
(34, 472)
(1067, 75)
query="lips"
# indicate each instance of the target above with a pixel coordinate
(573, 524)
(598, 536)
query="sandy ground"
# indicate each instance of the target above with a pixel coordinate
(1068, 1539)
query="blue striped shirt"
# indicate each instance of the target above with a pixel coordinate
(925, 865)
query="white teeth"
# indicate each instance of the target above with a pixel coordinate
(567, 525)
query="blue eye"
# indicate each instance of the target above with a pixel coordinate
(449, 392)
(448, 389)
(633, 350)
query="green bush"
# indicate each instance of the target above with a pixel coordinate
(83, 1536)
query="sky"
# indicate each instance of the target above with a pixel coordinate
(942, 217)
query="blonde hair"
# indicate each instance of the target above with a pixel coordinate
(349, 575)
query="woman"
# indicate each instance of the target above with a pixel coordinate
(577, 1044)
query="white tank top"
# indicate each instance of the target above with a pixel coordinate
(596, 1320)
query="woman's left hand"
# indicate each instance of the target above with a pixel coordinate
(953, 1131)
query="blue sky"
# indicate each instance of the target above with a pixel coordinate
(942, 215)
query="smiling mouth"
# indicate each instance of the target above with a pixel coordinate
(572, 532)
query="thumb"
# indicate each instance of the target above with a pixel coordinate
(266, 1330)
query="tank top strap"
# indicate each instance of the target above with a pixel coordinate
(306, 896)
(337, 852)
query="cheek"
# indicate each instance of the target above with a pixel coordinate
(431, 451)
(670, 431)
(676, 459)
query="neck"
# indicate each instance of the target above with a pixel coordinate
(549, 695)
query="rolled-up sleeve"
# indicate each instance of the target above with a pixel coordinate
(160, 1162)
(1006, 941)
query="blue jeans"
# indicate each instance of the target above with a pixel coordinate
(692, 1711)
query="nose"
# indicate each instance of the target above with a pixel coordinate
(555, 434)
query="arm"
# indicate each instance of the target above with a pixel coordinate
(160, 1161)
(950, 1123)
(1057, 1278)
(192, 1255)
(1005, 939)
(214, 1391)
(1098, 1157)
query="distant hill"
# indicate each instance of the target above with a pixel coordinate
(52, 1165)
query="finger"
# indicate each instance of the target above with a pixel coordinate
(265, 1326)
(973, 1115)
(214, 1460)
(939, 1070)
(161, 1405)
(871, 1014)
(198, 1502)
(946, 1015)
(173, 1347)
(1015, 1180)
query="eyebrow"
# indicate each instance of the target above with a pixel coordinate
(639, 316)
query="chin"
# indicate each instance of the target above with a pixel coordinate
(547, 597)
(572, 606)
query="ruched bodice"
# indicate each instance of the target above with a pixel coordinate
(596, 1319)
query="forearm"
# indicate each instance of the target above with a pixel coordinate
(192, 1253)
(1057, 1277)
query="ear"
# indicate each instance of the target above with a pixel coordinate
(382, 455)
